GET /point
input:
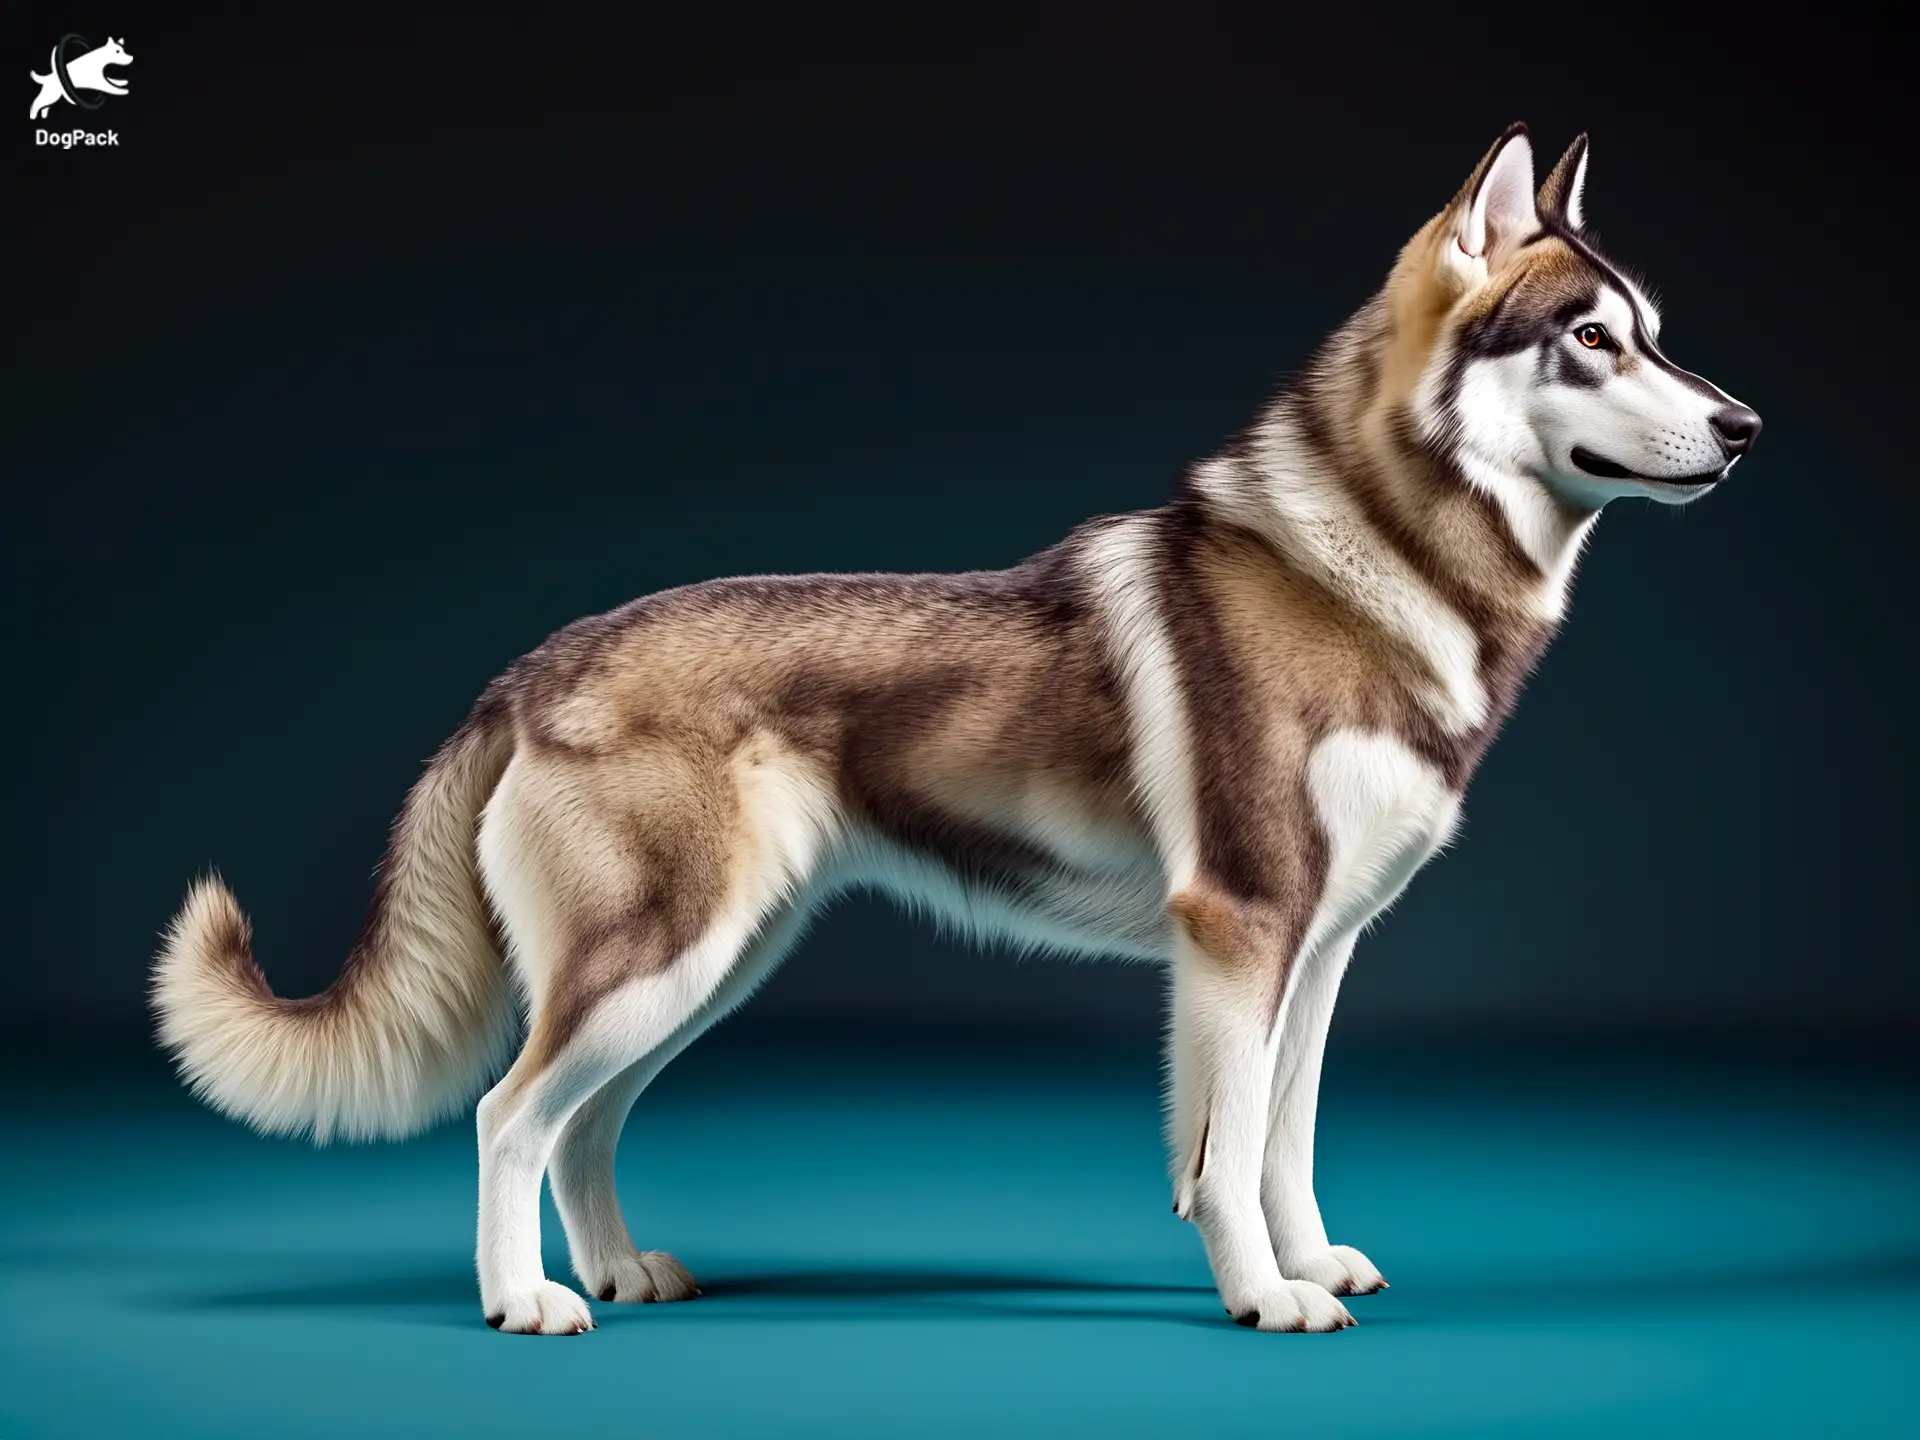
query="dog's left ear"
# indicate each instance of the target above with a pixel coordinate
(1493, 213)
(1560, 194)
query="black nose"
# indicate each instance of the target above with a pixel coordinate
(1738, 427)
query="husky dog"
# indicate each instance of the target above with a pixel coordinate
(1222, 734)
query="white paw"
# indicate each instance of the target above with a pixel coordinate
(640, 1278)
(1297, 1306)
(545, 1309)
(1341, 1269)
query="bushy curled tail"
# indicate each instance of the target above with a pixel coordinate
(421, 1014)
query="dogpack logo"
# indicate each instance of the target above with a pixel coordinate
(78, 77)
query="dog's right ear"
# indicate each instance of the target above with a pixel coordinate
(1493, 214)
(1560, 194)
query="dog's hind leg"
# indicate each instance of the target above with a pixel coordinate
(605, 1257)
(632, 888)
(1231, 962)
(50, 95)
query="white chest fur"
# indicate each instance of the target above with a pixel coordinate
(1385, 811)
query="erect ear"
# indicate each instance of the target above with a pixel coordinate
(1494, 210)
(1560, 194)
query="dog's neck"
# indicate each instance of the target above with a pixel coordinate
(1343, 475)
(1450, 556)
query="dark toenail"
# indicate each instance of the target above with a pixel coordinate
(1248, 1318)
(496, 1321)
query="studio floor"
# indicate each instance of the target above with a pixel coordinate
(951, 1242)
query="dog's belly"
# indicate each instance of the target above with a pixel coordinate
(1053, 881)
(1119, 914)
(1011, 890)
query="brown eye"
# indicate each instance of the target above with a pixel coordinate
(1594, 337)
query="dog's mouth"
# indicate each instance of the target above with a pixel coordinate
(1608, 470)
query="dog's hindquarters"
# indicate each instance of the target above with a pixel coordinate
(644, 892)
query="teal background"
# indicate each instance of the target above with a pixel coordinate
(386, 342)
(966, 1240)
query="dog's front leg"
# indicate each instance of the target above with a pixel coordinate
(1231, 961)
(1286, 1182)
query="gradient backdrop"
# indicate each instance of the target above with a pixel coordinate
(384, 345)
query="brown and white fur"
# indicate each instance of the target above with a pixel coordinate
(1222, 735)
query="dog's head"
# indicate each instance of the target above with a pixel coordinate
(113, 53)
(1539, 357)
